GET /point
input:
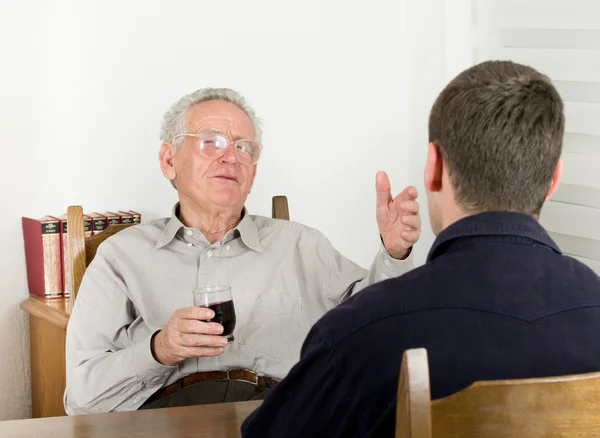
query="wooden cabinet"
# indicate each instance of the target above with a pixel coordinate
(48, 320)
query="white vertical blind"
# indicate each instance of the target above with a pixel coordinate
(561, 38)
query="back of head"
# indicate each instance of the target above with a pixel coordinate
(499, 126)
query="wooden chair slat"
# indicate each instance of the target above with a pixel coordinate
(280, 208)
(561, 406)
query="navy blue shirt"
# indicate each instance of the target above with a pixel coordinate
(495, 300)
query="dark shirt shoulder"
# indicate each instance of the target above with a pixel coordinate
(496, 300)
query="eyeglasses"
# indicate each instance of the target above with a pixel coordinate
(214, 146)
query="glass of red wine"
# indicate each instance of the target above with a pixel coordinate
(219, 300)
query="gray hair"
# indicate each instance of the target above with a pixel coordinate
(174, 120)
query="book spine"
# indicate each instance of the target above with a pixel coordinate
(114, 220)
(34, 259)
(87, 226)
(66, 265)
(42, 257)
(52, 261)
(98, 225)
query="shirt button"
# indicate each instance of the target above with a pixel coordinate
(387, 262)
(209, 253)
(228, 247)
(190, 244)
(137, 399)
(189, 232)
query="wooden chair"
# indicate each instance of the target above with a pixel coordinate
(280, 208)
(83, 249)
(564, 406)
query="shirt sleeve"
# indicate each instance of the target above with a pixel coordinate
(108, 367)
(384, 266)
(345, 278)
(310, 401)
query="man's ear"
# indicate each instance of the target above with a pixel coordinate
(166, 154)
(555, 179)
(434, 168)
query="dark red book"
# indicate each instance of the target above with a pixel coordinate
(65, 250)
(137, 217)
(99, 223)
(112, 218)
(64, 255)
(126, 217)
(43, 256)
(87, 225)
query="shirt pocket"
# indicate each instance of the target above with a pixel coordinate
(274, 327)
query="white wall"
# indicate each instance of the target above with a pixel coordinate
(17, 180)
(84, 85)
(440, 45)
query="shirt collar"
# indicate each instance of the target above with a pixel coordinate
(171, 229)
(492, 224)
(247, 229)
(249, 232)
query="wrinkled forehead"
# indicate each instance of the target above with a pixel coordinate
(219, 117)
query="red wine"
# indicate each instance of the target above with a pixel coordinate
(224, 315)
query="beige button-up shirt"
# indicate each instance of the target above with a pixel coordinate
(283, 275)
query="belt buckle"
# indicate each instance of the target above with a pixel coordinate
(255, 382)
(269, 382)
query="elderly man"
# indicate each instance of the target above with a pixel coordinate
(135, 339)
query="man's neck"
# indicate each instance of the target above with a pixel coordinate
(213, 223)
(454, 215)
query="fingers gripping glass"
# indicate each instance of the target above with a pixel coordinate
(214, 146)
(219, 300)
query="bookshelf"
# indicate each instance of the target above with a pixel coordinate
(53, 277)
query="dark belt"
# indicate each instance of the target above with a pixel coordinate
(208, 376)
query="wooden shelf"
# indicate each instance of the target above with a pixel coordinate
(48, 318)
(55, 311)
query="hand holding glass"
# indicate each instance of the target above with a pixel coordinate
(219, 300)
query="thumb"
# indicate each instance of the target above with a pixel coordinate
(383, 187)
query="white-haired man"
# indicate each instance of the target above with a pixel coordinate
(134, 338)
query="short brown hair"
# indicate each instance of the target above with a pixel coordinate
(499, 126)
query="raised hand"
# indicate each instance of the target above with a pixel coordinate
(397, 218)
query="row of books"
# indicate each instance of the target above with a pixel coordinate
(47, 248)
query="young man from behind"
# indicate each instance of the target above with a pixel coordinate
(496, 299)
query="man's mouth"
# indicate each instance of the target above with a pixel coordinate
(227, 178)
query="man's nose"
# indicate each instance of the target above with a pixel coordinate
(229, 155)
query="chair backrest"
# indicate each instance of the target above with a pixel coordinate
(563, 406)
(413, 410)
(280, 208)
(83, 249)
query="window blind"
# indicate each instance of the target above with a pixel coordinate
(561, 38)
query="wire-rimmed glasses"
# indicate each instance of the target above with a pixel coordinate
(214, 146)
